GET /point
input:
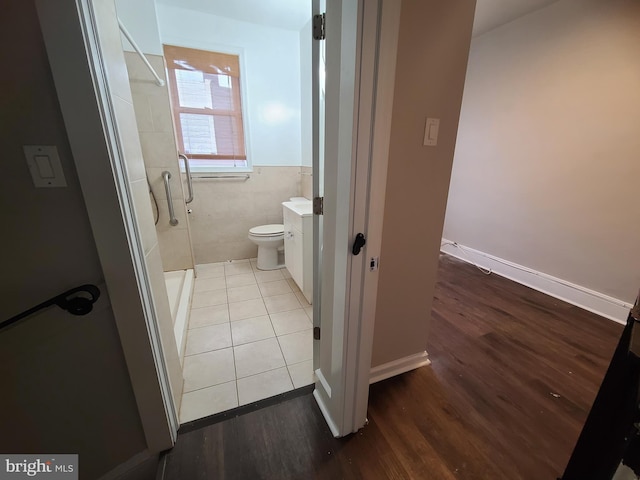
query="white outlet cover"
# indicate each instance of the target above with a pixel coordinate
(431, 128)
(45, 167)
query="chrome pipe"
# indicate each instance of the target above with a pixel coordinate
(187, 169)
(166, 176)
(246, 177)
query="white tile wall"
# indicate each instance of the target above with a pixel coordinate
(154, 125)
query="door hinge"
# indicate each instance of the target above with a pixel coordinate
(318, 205)
(319, 27)
(316, 333)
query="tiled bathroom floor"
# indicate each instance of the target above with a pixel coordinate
(249, 337)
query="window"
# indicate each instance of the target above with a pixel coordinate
(207, 108)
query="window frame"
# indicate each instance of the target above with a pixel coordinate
(203, 163)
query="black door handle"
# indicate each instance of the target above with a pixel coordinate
(359, 242)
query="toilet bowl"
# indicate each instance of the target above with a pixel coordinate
(269, 239)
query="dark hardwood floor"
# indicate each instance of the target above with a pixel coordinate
(513, 375)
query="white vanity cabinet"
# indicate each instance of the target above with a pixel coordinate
(298, 245)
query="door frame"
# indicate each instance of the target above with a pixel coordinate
(71, 39)
(359, 97)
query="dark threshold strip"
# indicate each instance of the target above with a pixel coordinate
(236, 412)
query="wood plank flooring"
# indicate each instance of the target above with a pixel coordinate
(513, 375)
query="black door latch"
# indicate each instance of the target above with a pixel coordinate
(358, 244)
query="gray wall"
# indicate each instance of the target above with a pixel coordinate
(65, 382)
(548, 155)
(432, 58)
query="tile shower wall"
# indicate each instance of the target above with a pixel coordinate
(125, 116)
(157, 138)
(225, 209)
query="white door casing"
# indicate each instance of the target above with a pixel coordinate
(77, 62)
(361, 42)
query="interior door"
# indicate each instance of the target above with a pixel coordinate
(318, 109)
(335, 89)
(351, 137)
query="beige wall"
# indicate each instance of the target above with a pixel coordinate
(306, 182)
(225, 209)
(432, 58)
(65, 382)
(548, 154)
(157, 139)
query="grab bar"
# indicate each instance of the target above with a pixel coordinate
(187, 169)
(246, 177)
(77, 305)
(135, 46)
(172, 216)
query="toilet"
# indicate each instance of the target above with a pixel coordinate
(269, 239)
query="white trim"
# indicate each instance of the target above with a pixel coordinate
(340, 330)
(323, 381)
(326, 414)
(135, 461)
(382, 93)
(595, 302)
(359, 100)
(182, 315)
(396, 367)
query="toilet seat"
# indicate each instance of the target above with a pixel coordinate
(267, 230)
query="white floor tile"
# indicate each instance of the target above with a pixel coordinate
(309, 312)
(208, 299)
(208, 270)
(240, 294)
(258, 357)
(208, 401)
(203, 284)
(251, 330)
(290, 322)
(302, 373)
(268, 275)
(241, 280)
(237, 268)
(201, 317)
(205, 339)
(264, 385)
(207, 369)
(281, 303)
(285, 273)
(246, 309)
(279, 287)
(297, 347)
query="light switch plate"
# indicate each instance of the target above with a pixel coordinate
(431, 128)
(44, 165)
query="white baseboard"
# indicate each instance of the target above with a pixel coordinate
(326, 413)
(596, 302)
(396, 367)
(323, 382)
